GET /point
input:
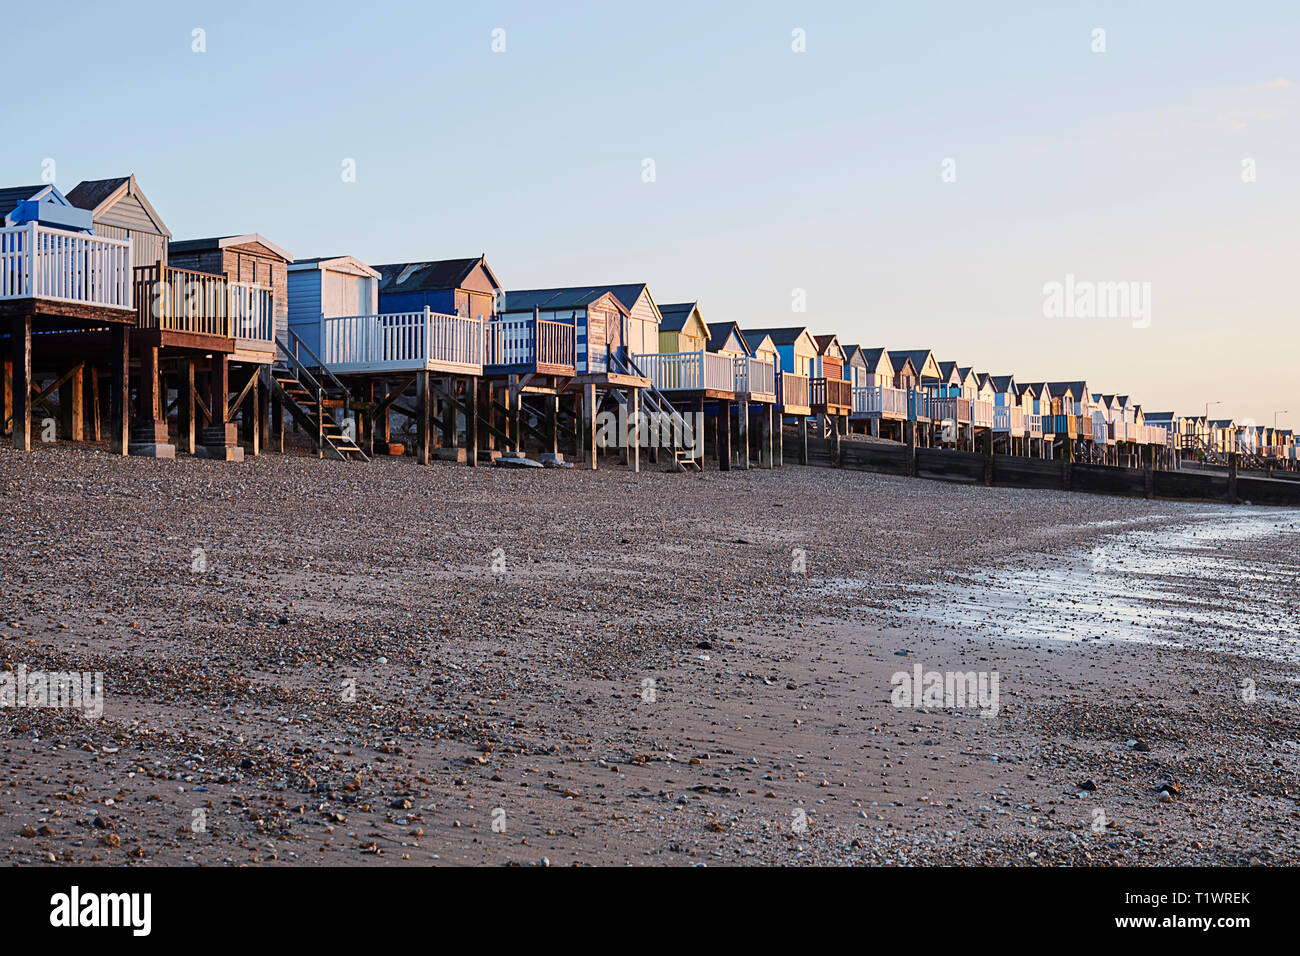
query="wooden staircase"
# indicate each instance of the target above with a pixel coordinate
(654, 402)
(310, 402)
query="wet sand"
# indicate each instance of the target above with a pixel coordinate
(361, 677)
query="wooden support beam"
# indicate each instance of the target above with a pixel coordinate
(587, 446)
(94, 420)
(742, 432)
(119, 399)
(803, 440)
(634, 430)
(422, 407)
(185, 407)
(20, 355)
(277, 422)
(72, 404)
(724, 435)
(471, 421)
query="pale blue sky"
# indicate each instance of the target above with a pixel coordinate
(775, 170)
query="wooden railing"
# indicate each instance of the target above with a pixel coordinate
(688, 371)
(1009, 419)
(830, 393)
(46, 263)
(981, 413)
(1033, 425)
(950, 407)
(792, 390)
(529, 343)
(876, 401)
(182, 300)
(403, 339)
(252, 313)
(754, 377)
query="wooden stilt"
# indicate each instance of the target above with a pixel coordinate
(94, 423)
(634, 430)
(185, 406)
(742, 433)
(471, 421)
(119, 398)
(20, 355)
(422, 417)
(587, 444)
(724, 435)
(72, 405)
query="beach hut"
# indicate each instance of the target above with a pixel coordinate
(830, 392)
(57, 275)
(682, 328)
(725, 338)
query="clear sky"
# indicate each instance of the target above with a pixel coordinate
(774, 170)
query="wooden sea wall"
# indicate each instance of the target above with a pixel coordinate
(1015, 472)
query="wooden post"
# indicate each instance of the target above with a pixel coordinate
(20, 353)
(724, 435)
(587, 443)
(263, 407)
(988, 458)
(553, 424)
(422, 417)
(471, 421)
(277, 423)
(1232, 478)
(450, 436)
(514, 406)
(911, 450)
(253, 413)
(634, 430)
(765, 436)
(742, 429)
(802, 440)
(778, 430)
(6, 390)
(119, 398)
(94, 424)
(147, 396)
(185, 408)
(72, 405)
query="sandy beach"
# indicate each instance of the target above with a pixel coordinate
(312, 662)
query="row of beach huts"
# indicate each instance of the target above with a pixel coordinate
(114, 331)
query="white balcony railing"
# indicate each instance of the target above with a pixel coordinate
(981, 413)
(45, 263)
(403, 340)
(688, 371)
(880, 401)
(754, 377)
(1009, 419)
(1033, 425)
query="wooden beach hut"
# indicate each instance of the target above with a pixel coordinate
(67, 308)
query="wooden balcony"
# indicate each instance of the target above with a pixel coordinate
(65, 272)
(755, 379)
(707, 374)
(1009, 420)
(1033, 425)
(792, 393)
(181, 308)
(830, 395)
(403, 342)
(879, 401)
(950, 408)
(981, 413)
(521, 346)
